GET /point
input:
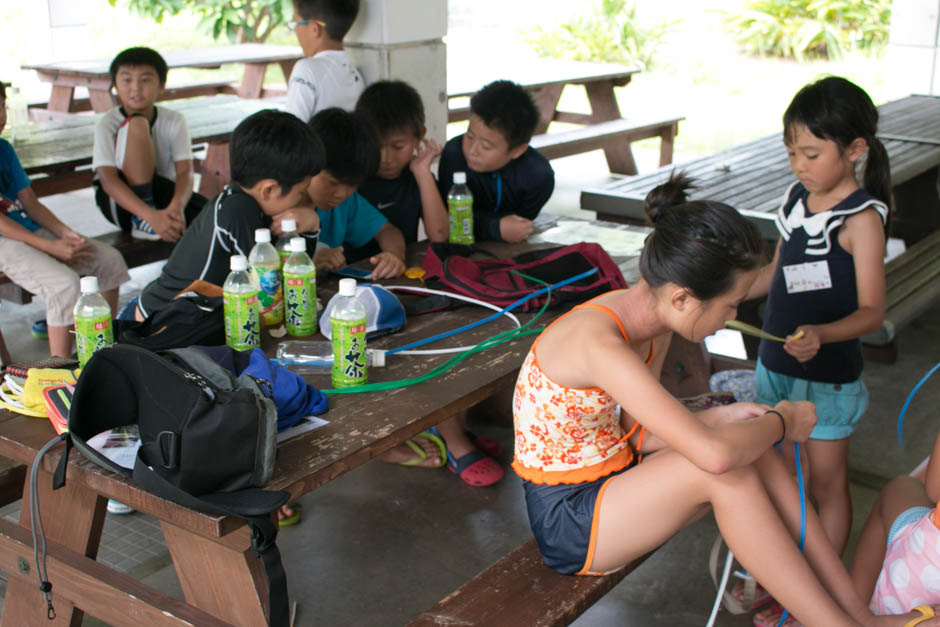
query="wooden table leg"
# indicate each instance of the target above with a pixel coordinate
(221, 577)
(287, 67)
(252, 80)
(215, 171)
(604, 108)
(546, 99)
(72, 516)
(101, 100)
(61, 98)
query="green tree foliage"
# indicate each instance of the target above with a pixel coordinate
(801, 29)
(239, 21)
(611, 34)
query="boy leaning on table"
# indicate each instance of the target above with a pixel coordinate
(44, 256)
(143, 158)
(325, 77)
(509, 180)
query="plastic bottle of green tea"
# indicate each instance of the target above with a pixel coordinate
(93, 328)
(289, 227)
(240, 307)
(348, 334)
(460, 210)
(264, 265)
(300, 290)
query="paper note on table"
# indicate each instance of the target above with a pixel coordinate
(307, 423)
(617, 242)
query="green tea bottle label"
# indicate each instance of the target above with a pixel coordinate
(92, 334)
(270, 294)
(349, 352)
(300, 295)
(242, 327)
(460, 212)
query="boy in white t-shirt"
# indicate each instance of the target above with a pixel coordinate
(325, 77)
(143, 157)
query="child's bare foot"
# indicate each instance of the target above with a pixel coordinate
(425, 450)
(922, 616)
(288, 515)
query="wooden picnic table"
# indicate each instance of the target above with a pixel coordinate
(753, 177)
(221, 579)
(57, 153)
(546, 79)
(94, 75)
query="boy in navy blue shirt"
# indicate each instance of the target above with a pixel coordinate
(403, 188)
(509, 180)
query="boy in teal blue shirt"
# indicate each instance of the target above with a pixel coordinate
(347, 220)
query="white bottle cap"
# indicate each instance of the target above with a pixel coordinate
(460, 178)
(288, 225)
(238, 263)
(88, 284)
(262, 236)
(347, 287)
(298, 245)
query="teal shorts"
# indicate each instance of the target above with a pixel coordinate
(839, 406)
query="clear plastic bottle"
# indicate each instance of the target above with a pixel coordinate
(93, 328)
(240, 307)
(348, 331)
(19, 116)
(460, 210)
(264, 267)
(316, 356)
(289, 226)
(300, 290)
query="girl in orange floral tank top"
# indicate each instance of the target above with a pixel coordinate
(588, 404)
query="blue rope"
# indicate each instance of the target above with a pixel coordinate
(496, 315)
(908, 402)
(799, 480)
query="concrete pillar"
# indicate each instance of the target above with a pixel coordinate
(68, 27)
(914, 47)
(402, 39)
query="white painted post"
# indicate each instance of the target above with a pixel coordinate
(914, 47)
(402, 39)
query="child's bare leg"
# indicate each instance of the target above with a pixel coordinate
(668, 490)
(60, 341)
(139, 157)
(454, 433)
(899, 495)
(828, 460)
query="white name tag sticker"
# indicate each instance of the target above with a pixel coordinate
(806, 277)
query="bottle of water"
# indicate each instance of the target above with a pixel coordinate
(316, 356)
(300, 290)
(264, 265)
(19, 116)
(348, 332)
(93, 329)
(240, 307)
(460, 210)
(289, 226)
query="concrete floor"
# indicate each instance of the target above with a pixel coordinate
(382, 543)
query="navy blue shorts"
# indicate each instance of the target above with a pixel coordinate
(562, 520)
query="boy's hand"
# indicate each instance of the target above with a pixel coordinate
(307, 220)
(800, 418)
(513, 228)
(803, 347)
(70, 248)
(329, 258)
(387, 265)
(424, 155)
(168, 224)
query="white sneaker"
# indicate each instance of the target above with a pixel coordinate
(119, 508)
(141, 229)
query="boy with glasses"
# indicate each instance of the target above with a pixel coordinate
(325, 77)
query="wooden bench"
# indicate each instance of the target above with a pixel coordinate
(605, 134)
(136, 252)
(520, 590)
(913, 285)
(40, 112)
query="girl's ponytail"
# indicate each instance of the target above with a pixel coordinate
(877, 177)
